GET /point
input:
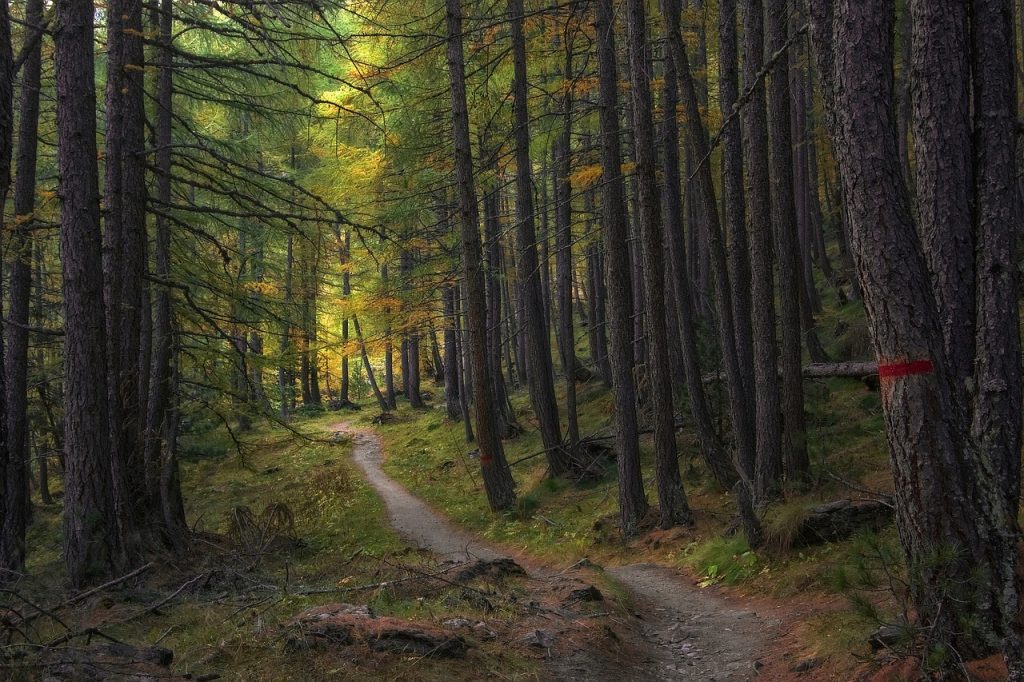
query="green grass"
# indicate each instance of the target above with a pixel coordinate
(346, 539)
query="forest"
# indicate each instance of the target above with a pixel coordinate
(521, 340)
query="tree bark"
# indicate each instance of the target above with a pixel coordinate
(615, 229)
(12, 545)
(768, 466)
(672, 498)
(956, 526)
(541, 380)
(783, 214)
(494, 469)
(91, 544)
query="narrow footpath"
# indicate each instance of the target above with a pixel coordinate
(682, 632)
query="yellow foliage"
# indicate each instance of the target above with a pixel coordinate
(586, 176)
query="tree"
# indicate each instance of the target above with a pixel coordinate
(615, 229)
(496, 474)
(674, 506)
(957, 524)
(91, 542)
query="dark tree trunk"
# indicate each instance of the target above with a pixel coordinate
(783, 214)
(941, 124)
(711, 447)
(12, 543)
(11, 546)
(951, 500)
(541, 381)
(492, 269)
(160, 459)
(615, 228)
(671, 496)
(91, 544)
(286, 384)
(768, 467)
(451, 354)
(465, 369)
(496, 474)
(563, 250)
(741, 416)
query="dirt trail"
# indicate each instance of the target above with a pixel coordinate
(682, 632)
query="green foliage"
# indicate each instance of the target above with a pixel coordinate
(724, 560)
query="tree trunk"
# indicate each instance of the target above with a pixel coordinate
(615, 229)
(712, 450)
(385, 406)
(768, 466)
(541, 381)
(494, 469)
(671, 496)
(12, 544)
(783, 214)
(451, 354)
(563, 247)
(957, 527)
(739, 407)
(91, 544)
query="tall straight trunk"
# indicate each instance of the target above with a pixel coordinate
(286, 386)
(783, 215)
(91, 543)
(671, 496)
(43, 380)
(451, 354)
(943, 174)
(160, 458)
(492, 281)
(11, 552)
(768, 466)
(124, 235)
(389, 352)
(711, 447)
(346, 291)
(497, 477)
(12, 542)
(997, 400)
(563, 248)
(542, 387)
(957, 527)
(742, 416)
(465, 368)
(737, 244)
(615, 231)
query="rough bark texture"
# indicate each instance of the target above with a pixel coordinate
(956, 527)
(711, 447)
(496, 474)
(542, 387)
(615, 230)
(940, 83)
(672, 499)
(90, 537)
(10, 554)
(738, 401)
(15, 513)
(768, 466)
(780, 166)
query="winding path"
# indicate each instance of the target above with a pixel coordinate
(684, 633)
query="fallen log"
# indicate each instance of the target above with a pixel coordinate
(864, 371)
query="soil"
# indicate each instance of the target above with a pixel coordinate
(677, 631)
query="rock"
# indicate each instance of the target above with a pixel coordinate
(384, 418)
(888, 636)
(540, 639)
(457, 623)
(805, 665)
(588, 593)
(415, 641)
(327, 611)
(482, 631)
(839, 520)
(495, 568)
